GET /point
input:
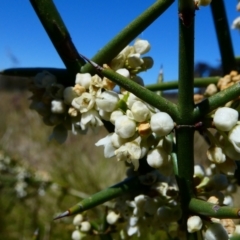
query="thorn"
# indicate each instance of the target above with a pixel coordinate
(65, 214)
(95, 65)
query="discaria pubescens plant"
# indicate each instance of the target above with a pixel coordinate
(165, 189)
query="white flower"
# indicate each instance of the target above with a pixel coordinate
(140, 111)
(131, 99)
(96, 85)
(115, 115)
(125, 127)
(117, 141)
(107, 101)
(78, 220)
(124, 72)
(157, 158)
(84, 103)
(216, 155)
(134, 60)
(225, 118)
(83, 79)
(141, 46)
(228, 201)
(109, 149)
(57, 106)
(112, 217)
(161, 124)
(129, 152)
(234, 137)
(85, 226)
(236, 23)
(198, 171)
(216, 231)
(76, 235)
(69, 94)
(91, 118)
(194, 224)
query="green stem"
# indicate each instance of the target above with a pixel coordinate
(184, 135)
(213, 210)
(223, 36)
(141, 92)
(129, 33)
(59, 35)
(170, 85)
(215, 101)
(129, 185)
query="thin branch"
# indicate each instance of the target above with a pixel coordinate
(59, 35)
(213, 210)
(129, 33)
(217, 100)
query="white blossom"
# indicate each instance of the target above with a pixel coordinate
(91, 119)
(85, 226)
(112, 217)
(57, 106)
(84, 103)
(194, 224)
(216, 155)
(141, 46)
(107, 101)
(69, 94)
(225, 118)
(125, 127)
(140, 111)
(157, 158)
(115, 115)
(83, 79)
(78, 219)
(134, 60)
(109, 149)
(234, 137)
(161, 123)
(124, 72)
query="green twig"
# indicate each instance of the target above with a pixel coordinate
(129, 33)
(223, 36)
(215, 101)
(170, 85)
(141, 92)
(128, 185)
(213, 210)
(59, 35)
(184, 135)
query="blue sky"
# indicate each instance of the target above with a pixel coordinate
(93, 23)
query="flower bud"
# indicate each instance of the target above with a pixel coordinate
(125, 127)
(134, 60)
(76, 235)
(216, 231)
(124, 72)
(57, 106)
(83, 79)
(115, 115)
(161, 124)
(85, 226)
(216, 155)
(78, 219)
(69, 94)
(194, 224)
(107, 101)
(225, 118)
(234, 137)
(157, 158)
(141, 46)
(112, 217)
(140, 111)
(211, 90)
